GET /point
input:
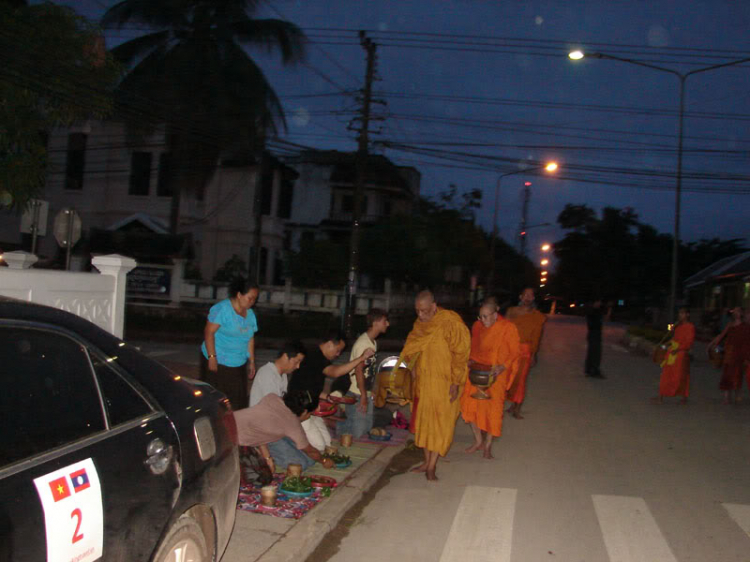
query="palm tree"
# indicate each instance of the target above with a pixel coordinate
(191, 74)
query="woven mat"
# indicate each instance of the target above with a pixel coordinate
(287, 507)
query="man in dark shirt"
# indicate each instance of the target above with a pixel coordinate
(311, 377)
(594, 321)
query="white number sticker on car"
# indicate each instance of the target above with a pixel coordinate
(72, 501)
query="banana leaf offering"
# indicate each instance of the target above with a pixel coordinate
(337, 458)
(299, 485)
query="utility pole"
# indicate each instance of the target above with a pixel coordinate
(524, 216)
(359, 187)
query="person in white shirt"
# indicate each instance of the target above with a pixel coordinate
(359, 415)
(272, 378)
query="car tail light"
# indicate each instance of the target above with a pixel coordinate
(204, 437)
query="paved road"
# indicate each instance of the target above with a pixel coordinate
(594, 473)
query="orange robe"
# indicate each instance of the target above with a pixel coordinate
(675, 372)
(497, 345)
(736, 352)
(529, 326)
(439, 350)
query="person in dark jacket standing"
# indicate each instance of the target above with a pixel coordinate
(594, 321)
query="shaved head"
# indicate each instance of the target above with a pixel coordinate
(425, 297)
(425, 306)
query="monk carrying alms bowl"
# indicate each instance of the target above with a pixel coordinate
(482, 377)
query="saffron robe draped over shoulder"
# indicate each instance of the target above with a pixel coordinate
(497, 345)
(736, 352)
(529, 325)
(675, 372)
(441, 347)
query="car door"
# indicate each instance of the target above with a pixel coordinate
(77, 454)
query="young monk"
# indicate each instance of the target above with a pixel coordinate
(494, 342)
(675, 372)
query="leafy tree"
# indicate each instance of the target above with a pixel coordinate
(192, 75)
(54, 71)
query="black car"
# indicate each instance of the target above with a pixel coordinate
(104, 453)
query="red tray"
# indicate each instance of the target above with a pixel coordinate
(342, 399)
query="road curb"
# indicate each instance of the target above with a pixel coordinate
(299, 542)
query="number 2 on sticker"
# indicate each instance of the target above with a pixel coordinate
(77, 536)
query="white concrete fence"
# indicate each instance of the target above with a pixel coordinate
(97, 297)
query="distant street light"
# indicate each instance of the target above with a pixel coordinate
(544, 273)
(549, 167)
(545, 261)
(578, 55)
(546, 247)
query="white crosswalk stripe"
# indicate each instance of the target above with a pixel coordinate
(630, 531)
(483, 526)
(740, 514)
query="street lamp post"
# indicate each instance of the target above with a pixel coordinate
(682, 76)
(549, 167)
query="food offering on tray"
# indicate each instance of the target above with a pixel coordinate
(297, 486)
(322, 482)
(325, 408)
(379, 434)
(341, 461)
(336, 398)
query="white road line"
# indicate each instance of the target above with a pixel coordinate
(630, 531)
(741, 515)
(482, 529)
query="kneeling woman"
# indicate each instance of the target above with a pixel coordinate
(277, 422)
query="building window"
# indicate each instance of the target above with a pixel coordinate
(76, 161)
(164, 183)
(285, 199)
(140, 173)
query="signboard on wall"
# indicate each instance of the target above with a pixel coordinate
(152, 281)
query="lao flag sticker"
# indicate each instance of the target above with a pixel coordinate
(71, 498)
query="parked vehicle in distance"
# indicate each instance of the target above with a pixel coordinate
(105, 453)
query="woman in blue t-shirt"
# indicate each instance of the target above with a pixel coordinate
(228, 350)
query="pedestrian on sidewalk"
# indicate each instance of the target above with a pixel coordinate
(438, 349)
(228, 349)
(675, 372)
(358, 385)
(594, 320)
(529, 322)
(311, 377)
(494, 343)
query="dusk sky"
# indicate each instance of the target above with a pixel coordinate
(473, 88)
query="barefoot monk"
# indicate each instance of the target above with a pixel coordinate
(437, 348)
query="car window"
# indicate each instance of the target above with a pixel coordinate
(49, 396)
(122, 401)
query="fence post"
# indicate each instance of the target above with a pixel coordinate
(175, 281)
(19, 259)
(118, 267)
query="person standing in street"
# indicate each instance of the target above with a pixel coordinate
(594, 320)
(437, 349)
(359, 383)
(675, 372)
(495, 343)
(228, 349)
(529, 322)
(732, 362)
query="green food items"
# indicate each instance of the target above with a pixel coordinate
(337, 459)
(297, 484)
(325, 492)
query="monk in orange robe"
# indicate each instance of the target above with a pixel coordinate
(495, 343)
(529, 322)
(438, 348)
(675, 372)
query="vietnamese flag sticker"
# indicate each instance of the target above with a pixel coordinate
(60, 489)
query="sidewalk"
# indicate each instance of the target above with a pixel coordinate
(265, 538)
(262, 538)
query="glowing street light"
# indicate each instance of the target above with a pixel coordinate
(544, 273)
(545, 261)
(548, 167)
(546, 247)
(578, 55)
